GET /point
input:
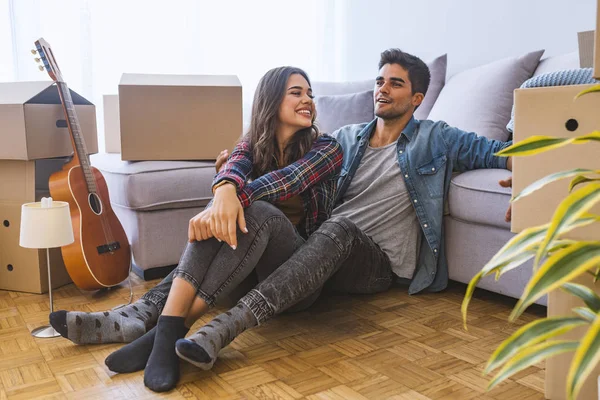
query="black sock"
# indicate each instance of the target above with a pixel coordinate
(162, 369)
(133, 356)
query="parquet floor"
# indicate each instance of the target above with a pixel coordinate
(387, 346)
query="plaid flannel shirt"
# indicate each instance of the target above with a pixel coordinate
(314, 177)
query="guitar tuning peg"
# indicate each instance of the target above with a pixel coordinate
(37, 59)
(41, 68)
(33, 51)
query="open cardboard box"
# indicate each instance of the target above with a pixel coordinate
(176, 117)
(33, 122)
(597, 44)
(552, 111)
(548, 111)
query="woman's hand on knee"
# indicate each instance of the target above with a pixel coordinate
(227, 212)
(199, 227)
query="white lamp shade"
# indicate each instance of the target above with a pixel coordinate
(46, 227)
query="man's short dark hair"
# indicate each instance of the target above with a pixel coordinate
(418, 71)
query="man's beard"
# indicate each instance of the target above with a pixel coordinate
(393, 114)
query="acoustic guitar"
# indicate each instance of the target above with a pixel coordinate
(100, 256)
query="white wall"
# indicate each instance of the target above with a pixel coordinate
(6, 49)
(472, 32)
(336, 40)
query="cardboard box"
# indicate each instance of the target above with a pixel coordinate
(112, 128)
(33, 125)
(179, 117)
(586, 49)
(597, 43)
(548, 111)
(24, 269)
(557, 368)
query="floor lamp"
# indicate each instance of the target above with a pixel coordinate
(45, 225)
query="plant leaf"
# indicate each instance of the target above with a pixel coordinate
(510, 251)
(525, 255)
(568, 211)
(530, 238)
(585, 359)
(533, 145)
(530, 356)
(527, 240)
(531, 334)
(589, 297)
(519, 243)
(561, 267)
(595, 88)
(514, 262)
(468, 296)
(581, 179)
(594, 136)
(585, 312)
(540, 183)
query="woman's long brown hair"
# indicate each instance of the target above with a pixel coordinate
(265, 119)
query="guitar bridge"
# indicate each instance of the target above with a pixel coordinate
(108, 248)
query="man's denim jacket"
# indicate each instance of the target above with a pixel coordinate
(428, 153)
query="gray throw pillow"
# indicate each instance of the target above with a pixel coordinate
(333, 112)
(480, 99)
(437, 69)
(336, 88)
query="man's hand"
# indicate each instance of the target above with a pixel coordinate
(226, 212)
(199, 227)
(221, 158)
(507, 183)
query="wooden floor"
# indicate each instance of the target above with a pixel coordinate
(388, 346)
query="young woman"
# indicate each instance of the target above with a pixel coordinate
(283, 161)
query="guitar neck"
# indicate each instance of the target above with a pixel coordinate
(77, 141)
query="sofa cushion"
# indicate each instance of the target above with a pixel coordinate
(480, 99)
(437, 68)
(477, 197)
(338, 88)
(558, 63)
(155, 185)
(336, 111)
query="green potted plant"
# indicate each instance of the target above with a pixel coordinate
(557, 261)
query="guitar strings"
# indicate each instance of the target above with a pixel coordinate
(85, 165)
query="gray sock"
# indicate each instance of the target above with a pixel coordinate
(202, 348)
(120, 326)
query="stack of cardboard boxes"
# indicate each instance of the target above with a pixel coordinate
(552, 111)
(34, 143)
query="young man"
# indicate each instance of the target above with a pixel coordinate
(387, 223)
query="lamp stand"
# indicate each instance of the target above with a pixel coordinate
(47, 331)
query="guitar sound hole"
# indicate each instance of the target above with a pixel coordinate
(6, 223)
(9, 267)
(95, 203)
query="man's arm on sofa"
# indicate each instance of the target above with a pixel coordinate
(469, 151)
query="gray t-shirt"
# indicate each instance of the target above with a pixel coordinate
(379, 204)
